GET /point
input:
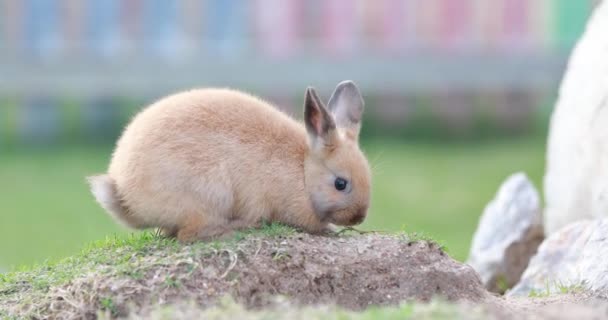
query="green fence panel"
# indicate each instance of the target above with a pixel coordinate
(570, 20)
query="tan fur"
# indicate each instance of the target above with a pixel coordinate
(202, 163)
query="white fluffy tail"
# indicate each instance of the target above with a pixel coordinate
(104, 189)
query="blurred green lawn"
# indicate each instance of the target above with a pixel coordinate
(440, 189)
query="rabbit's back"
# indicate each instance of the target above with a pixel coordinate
(216, 150)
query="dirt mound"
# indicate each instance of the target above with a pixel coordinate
(270, 273)
(352, 272)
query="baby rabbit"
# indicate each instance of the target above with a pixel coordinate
(202, 163)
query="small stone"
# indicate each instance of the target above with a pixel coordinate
(509, 233)
(571, 258)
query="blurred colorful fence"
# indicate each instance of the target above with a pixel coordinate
(286, 28)
(76, 69)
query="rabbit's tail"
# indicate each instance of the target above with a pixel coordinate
(104, 189)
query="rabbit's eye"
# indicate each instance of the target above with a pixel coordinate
(340, 184)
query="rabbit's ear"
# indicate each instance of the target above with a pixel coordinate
(346, 105)
(319, 123)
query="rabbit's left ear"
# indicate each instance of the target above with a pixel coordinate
(346, 104)
(319, 123)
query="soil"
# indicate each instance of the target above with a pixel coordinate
(352, 272)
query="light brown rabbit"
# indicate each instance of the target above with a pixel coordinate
(202, 163)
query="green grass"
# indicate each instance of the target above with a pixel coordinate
(28, 285)
(116, 251)
(46, 211)
(119, 252)
(557, 287)
(228, 309)
(440, 190)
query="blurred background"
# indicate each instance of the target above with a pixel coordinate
(458, 96)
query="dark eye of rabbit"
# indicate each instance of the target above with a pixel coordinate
(340, 184)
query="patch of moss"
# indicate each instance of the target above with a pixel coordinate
(121, 253)
(418, 236)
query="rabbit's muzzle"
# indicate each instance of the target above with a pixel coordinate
(358, 217)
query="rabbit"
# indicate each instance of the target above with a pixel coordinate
(203, 163)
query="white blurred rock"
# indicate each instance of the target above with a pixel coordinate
(576, 179)
(573, 257)
(508, 234)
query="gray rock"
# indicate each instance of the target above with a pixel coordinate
(509, 232)
(576, 179)
(572, 258)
